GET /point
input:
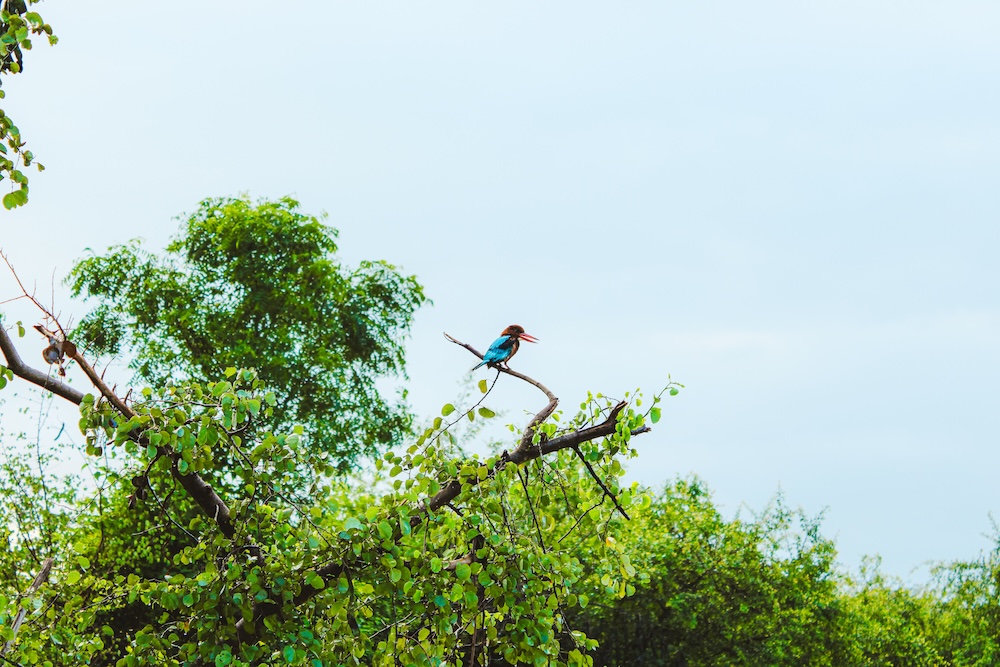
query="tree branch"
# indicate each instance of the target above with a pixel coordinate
(503, 369)
(521, 456)
(604, 488)
(112, 397)
(200, 490)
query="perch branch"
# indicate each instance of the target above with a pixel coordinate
(503, 369)
(529, 431)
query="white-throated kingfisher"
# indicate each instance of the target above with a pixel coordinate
(505, 347)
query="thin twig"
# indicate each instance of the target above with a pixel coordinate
(607, 491)
(462, 416)
(163, 510)
(580, 519)
(534, 517)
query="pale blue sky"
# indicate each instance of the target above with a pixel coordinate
(791, 207)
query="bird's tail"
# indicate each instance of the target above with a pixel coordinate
(480, 364)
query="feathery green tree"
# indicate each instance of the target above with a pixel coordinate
(259, 286)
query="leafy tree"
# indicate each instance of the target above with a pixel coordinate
(445, 559)
(889, 625)
(213, 533)
(259, 286)
(716, 592)
(965, 627)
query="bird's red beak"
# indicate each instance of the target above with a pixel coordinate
(528, 337)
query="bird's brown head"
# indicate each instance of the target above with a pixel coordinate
(516, 331)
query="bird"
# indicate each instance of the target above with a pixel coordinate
(505, 347)
(53, 353)
(58, 348)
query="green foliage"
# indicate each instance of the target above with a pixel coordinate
(888, 624)
(766, 591)
(36, 521)
(496, 572)
(716, 592)
(967, 623)
(259, 286)
(528, 564)
(17, 25)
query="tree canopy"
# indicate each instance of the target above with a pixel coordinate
(259, 286)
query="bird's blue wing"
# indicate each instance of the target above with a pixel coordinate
(499, 350)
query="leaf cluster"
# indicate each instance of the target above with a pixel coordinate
(17, 25)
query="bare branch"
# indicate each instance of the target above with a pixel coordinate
(31, 296)
(465, 345)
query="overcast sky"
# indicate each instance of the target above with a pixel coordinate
(790, 207)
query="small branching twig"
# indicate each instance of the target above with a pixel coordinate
(200, 490)
(531, 507)
(604, 488)
(580, 519)
(462, 416)
(166, 513)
